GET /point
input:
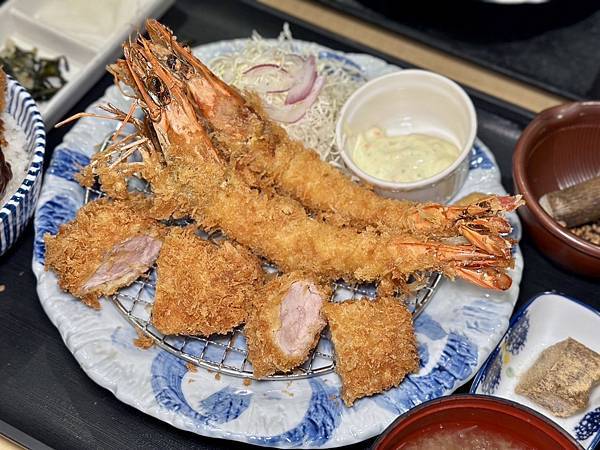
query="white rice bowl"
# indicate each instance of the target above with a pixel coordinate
(26, 142)
(15, 154)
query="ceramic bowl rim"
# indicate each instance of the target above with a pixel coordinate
(567, 111)
(396, 185)
(514, 319)
(35, 166)
(477, 398)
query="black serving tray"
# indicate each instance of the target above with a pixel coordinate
(552, 45)
(44, 394)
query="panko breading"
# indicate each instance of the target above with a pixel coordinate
(203, 288)
(191, 178)
(257, 146)
(375, 345)
(284, 324)
(108, 246)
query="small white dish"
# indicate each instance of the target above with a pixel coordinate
(407, 102)
(87, 46)
(547, 319)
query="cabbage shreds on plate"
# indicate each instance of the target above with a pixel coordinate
(281, 73)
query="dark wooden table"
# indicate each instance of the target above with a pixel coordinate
(45, 396)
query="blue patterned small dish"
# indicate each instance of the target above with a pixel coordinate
(18, 209)
(547, 319)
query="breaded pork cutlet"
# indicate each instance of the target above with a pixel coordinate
(375, 345)
(285, 323)
(108, 246)
(203, 288)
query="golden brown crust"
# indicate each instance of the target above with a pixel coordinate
(203, 288)
(375, 345)
(271, 158)
(143, 341)
(264, 321)
(80, 246)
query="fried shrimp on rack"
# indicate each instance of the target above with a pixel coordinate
(107, 247)
(284, 323)
(203, 287)
(265, 154)
(190, 178)
(375, 345)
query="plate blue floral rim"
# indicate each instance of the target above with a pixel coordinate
(587, 430)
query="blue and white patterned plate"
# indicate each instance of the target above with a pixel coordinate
(456, 333)
(547, 319)
(17, 210)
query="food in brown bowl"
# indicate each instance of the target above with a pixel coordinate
(469, 422)
(559, 149)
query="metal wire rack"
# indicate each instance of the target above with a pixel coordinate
(228, 353)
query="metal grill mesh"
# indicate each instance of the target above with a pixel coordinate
(228, 353)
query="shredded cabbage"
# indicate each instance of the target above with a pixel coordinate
(317, 128)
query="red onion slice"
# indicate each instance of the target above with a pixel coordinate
(269, 78)
(303, 81)
(294, 112)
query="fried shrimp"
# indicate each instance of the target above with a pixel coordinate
(285, 323)
(203, 288)
(265, 155)
(196, 181)
(107, 247)
(375, 345)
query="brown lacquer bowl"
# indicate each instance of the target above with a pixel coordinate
(559, 148)
(516, 423)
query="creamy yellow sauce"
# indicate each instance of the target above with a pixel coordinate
(404, 158)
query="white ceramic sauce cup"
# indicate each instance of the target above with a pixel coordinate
(406, 102)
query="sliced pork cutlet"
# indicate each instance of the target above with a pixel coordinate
(202, 287)
(285, 323)
(108, 246)
(375, 345)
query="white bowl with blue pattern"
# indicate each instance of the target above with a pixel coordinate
(18, 209)
(546, 319)
(456, 332)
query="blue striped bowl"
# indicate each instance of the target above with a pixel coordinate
(17, 211)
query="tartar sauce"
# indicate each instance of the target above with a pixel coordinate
(404, 158)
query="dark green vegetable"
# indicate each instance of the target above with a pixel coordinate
(42, 77)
